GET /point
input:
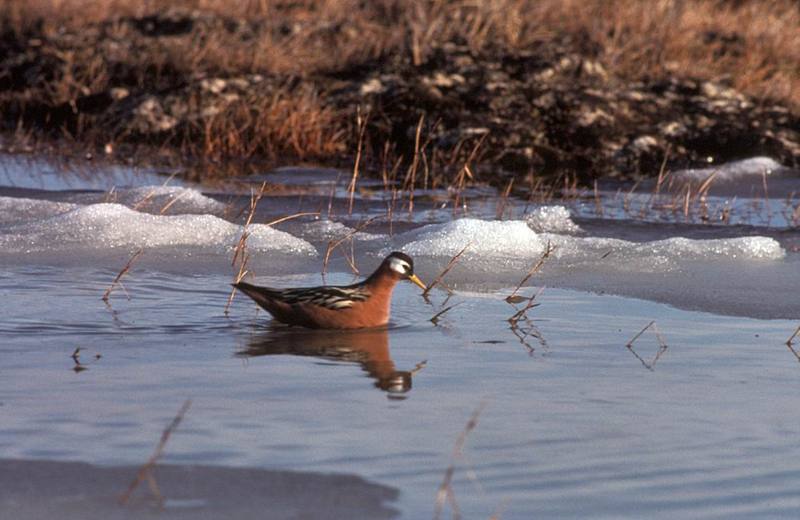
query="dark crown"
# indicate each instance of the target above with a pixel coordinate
(402, 256)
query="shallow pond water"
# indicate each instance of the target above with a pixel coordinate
(572, 422)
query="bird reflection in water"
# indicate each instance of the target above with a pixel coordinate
(367, 347)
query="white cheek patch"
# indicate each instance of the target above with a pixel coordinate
(399, 266)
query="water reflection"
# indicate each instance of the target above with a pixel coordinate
(369, 348)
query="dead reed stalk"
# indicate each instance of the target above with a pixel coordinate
(333, 244)
(418, 367)
(598, 205)
(438, 315)
(501, 206)
(794, 335)
(361, 124)
(512, 298)
(522, 313)
(411, 176)
(240, 251)
(76, 357)
(466, 173)
(255, 197)
(629, 344)
(118, 278)
(767, 204)
(172, 201)
(662, 169)
(146, 471)
(292, 217)
(239, 277)
(452, 263)
(662, 346)
(144, 200)
(445, 492)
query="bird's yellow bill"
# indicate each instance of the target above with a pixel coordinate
(414, 278)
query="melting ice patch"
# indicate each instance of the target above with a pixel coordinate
(552, 219)
(171, 200)
(325, 229)
(733, 171)
(486, 238)
(746, 248)
(495, 245)
(16, 209)
(113, 225)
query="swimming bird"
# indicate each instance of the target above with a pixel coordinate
(363, 304)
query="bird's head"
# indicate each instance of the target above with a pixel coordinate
(401, 266)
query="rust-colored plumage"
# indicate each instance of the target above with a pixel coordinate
(361, 305)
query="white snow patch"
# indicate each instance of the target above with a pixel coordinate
(17, 209)
(733, 171)
(486, 238)
(498, 245)
(172, 200)
(113, 225)
(552, 219)
(325, 229)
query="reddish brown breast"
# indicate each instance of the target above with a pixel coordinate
(374, 312)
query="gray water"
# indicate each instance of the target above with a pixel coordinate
(572, 422)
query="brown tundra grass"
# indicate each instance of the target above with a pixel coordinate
(755, 45)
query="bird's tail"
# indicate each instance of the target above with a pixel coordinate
(261, 295)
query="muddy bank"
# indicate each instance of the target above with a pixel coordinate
(50, 489)
(549, 108)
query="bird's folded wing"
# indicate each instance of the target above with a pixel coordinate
(329, 297)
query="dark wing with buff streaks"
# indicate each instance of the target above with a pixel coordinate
(334, 298)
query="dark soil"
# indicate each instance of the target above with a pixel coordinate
(549, 109)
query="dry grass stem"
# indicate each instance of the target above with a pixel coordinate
(419, 366)
(292, 217)
(521, 324)
(702, 191)
(794, 335)
(76, 357)
(466, 173)
(361, 124)
(532, 271)
(630, 343)
(598, 204)
(145, 472)
(240, 251)
(438, 315)
(501, 206)
(452, 263)
(144, 200)
(522, 313)
(445, 494)
(767, 204)
(332, 194)
(333, 244)
(662, 346)
(118, 279)
(239, 277)
(169, 204)
(662, 170)
(522, 336)
(793, 351)
(255, 197)
(411, 176)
